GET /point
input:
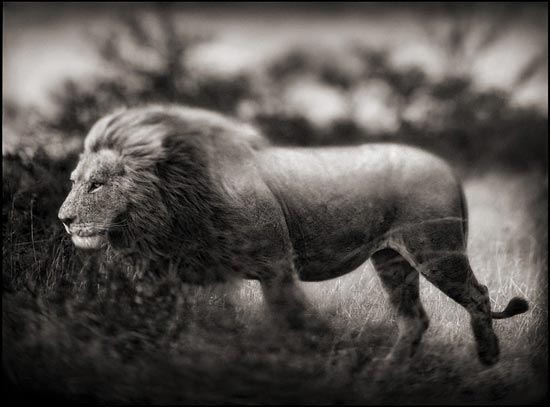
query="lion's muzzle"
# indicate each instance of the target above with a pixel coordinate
(83, 236)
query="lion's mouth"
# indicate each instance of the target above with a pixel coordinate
(84, 230)
(86, 238)
(87, 233)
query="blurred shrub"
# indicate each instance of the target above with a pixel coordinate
(147, 61)
(35, 248)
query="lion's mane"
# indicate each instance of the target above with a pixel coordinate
(176, 213)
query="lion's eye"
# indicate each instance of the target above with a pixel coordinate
(95, 186)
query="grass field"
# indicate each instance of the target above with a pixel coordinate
(183, 344)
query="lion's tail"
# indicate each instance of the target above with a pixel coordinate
(516, 306)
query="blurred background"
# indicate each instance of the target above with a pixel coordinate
(468, 81)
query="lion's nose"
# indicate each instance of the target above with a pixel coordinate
(67, 222)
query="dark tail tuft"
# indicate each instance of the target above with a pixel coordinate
(515, 306)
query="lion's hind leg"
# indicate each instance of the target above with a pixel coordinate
(453, 275)
(437, 249)
(400, 280)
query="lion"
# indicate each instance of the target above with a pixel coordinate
(192, 188)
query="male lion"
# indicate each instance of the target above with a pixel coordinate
(191, 188)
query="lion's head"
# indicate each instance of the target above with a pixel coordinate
(98, 201)
(144, 184)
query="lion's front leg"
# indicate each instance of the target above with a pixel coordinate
(289, 307)
(284, 298)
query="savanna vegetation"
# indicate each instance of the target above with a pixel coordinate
(172, 343)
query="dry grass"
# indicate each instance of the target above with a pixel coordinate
(189, 345)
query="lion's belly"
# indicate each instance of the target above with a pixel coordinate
(317, 264)
(328, 245)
